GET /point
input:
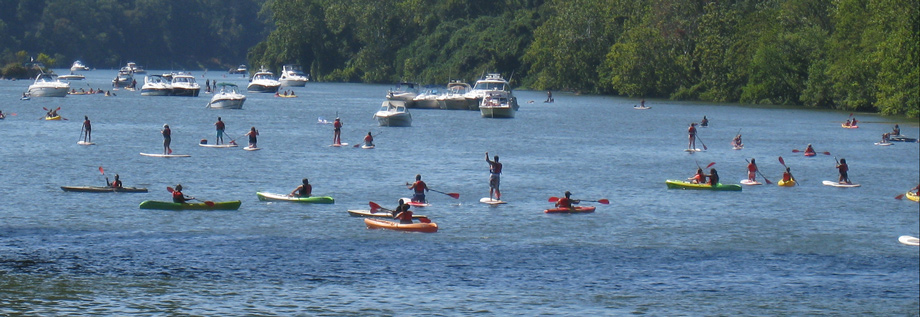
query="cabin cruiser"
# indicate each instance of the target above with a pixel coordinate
(156, 85)
(183, 84)
(497, 104)
(427, 100)
(393, 113)
(136, 69)
(405, 92)
(293, 76)
(228, 96)
(455, 98)
(242, 69)
(48, 85)
(124, 78)
(72, 76)
(78, 66)
(492, 82)
(263, 81)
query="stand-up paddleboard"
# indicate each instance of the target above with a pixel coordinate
(379, 214)
(339, 145)
(249, 148)
(737, 147)
(693, 150)
(750, 182)
(908, 240)
(883, 144)
(218, 145)
(641, 108)
(836, 184)
(165, 155)
(409, 202)
(367, 147)
(85, 143)
(491, 201)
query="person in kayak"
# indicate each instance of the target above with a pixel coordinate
(809, 150)
(402, 206)
(369, 139)
(253, 137)
(178, 197)
(896, 130)
(736, 142)
(854, 122)
(167, 138)
(420, 188)
(566, 201)
(337, 131)
(752, 170)
(404, 216)
(787, 176)
(699, 178)
(219, 125)
(704, 122)
(847, 124)
(304, 190)
(691, 131)
(87, 130)
(842, 168)
(713, 177)
(115, 183)
(495, 173)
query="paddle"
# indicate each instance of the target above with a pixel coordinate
(761, 174)
(701, 142)
(825, 152)
(454, 195)
(106, 177)
(206, 202)
(375, 207)
(602, 201)
(707, 166)
(898, 197)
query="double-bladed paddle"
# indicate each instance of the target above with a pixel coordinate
(206, 202)
(602, 201)
(375, 207)
(797, 151)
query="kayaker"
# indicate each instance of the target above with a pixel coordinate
(400, 207)
(337, 131)
(179, 197)
(692, 136)
(405, 216)
(369, 139)
(809, 150)
(787, 176)
(842, 168)
(847, 124)
(896, 130)
(495, 173)
(854, 121)
(220, 130)
(253, 134)
(420, 188)
(736, 142)
(115, 183)
(87, 130)
(304, 190)
(167, 138)
(752, 170)
(566, 201)
(713, 177)
(699, 178)
(704, 122)
(886, 137)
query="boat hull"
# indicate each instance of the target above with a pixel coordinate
(399, 120)
(310, 200)
(293, 82)
(101, 189)
(48, 91)
(453, 104)
(186, 92)
(263, 88)
(155, 92)
(496, 112)
(164, 205)
(373, 223)
(678, 184)
(227, 103)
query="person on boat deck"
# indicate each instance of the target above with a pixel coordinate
(167, 138)
(253, 134)
(369, 139)
(337, 131)
(787, 176)
(896, 130)
(713, 177)
(404, 216)
(115, 183)
(179, 197)
(566, 201)
(842, 168)
(737, 140)
(704, 122)
(220, 130)
(88, 129)
(304, 190)
(752, 170)
(809, 149)
(692, 136)
(419, 187)
(495, 173)
(699, 178)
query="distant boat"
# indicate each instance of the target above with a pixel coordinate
(78, 66)
(136, 69)
(242, 69)
(48, 85)
(491, 82)
(405, 92)
(393, 113)
(497, 104)
(72, 76)
(156, 85)
(455, 98)
(263, 81)
(185, 85)
(124, 78)
(427, 100)
(292, 76)
(228, 96)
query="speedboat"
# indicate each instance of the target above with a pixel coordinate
(156, 85)
(497, 104)
(263, 81)
(184, 84)
(292, 76)
(135, 69)
(72, 76)
(427, 100)
(455, 98)
(393, 113)
(242, 69)
(124, 78)
(48, 85)
(228, 96)
(78, 66)
(405, 92)
(492, 82)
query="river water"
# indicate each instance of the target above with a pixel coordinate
(767, 250)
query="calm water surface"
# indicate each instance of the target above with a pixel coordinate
(768, 250)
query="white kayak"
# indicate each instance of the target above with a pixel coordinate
(220, 146)
(249, 148)
(491, 201)
(883, 144)
(165, 155)
(837, 184)
(85, 143)
(908, 240)
(750, 182)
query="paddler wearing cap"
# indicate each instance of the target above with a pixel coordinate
(178, 197)
(567, 201)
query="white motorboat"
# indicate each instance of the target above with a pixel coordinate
(497, 104)
(393, 113)
(72, 76)
(427, 100)
(455, 98)
(492, 82)
(135, 69)
(124, 78)
(405, 92)
(78, 66)
(185, 85)
(228, 96)
(263, 81)
(48, 85)
(242, 69)
(293, 76)
(156, 85)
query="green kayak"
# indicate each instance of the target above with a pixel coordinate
(678, 184)
(207, 205)
(312, 199)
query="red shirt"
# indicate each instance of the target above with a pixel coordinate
(178, 197)
(368, 138)
(337, 124)
(787, 177)
(405, 216)
(752, 167)
(219, 125)
(419, 187)
(564, 203)
(692, 130)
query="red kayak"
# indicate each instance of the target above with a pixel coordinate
(810, 153)
(576, 210)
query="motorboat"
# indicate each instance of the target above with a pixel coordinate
(393, 113)
(72, 76)
(156, 85)
(48, 85)
(136, 69)
(185, 85)
(293, 76)
(455, 98)
(124, 78)
(78, 66)
(427, 99)
(228, 96)
(263, 81)
(492, 82)
(242, 69)
(405, 92)
(497, 104)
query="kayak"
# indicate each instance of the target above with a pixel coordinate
(103, 189)
(165, 155)
(218, 145)
(901, 138)
(679, 184)
(810, 153)
(367, 147)
(783, 183)
(373, 223)
(491, 201)
(845, 126)
(883, 143)
(908, 240)
(208, 205)
(380, 214)
(750, 182)
(838, 184)
(912, 196)
(409, 202)
(576, 210)
(263, 196)
(53, 118)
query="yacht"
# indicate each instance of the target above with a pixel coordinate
(455, 98)
(156, 85)
(242, 69)
(393, 113)
(72, 76)
(497, 104)
(427, 99)
(405, 92)
(183, 84)
(228, 96)
(492, 82)
(263, 81)
(124, 78)
(48, 85)
(78, 66)
(136, 69)
(293, 76)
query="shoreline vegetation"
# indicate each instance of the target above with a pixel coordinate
(847, 55)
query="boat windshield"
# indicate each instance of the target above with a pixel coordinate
(490, 86)
(264, 76)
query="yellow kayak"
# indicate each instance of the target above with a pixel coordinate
(912, 196)
(790, 183)
(53, 118)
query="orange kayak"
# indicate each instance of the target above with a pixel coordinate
(414, 227)
(585, 209)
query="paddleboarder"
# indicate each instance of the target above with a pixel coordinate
(87, 130)
(337, 132)
(566, 201)
(495, 173)
(419, 187)
(167, 138)
(304, 190)
(842, 168)
(220, 130)
(369, 139)
(736, 142)
(253, 134)
(752, 170)
(691, 131)
(179, 197)
(704, 122)
(896, 130)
